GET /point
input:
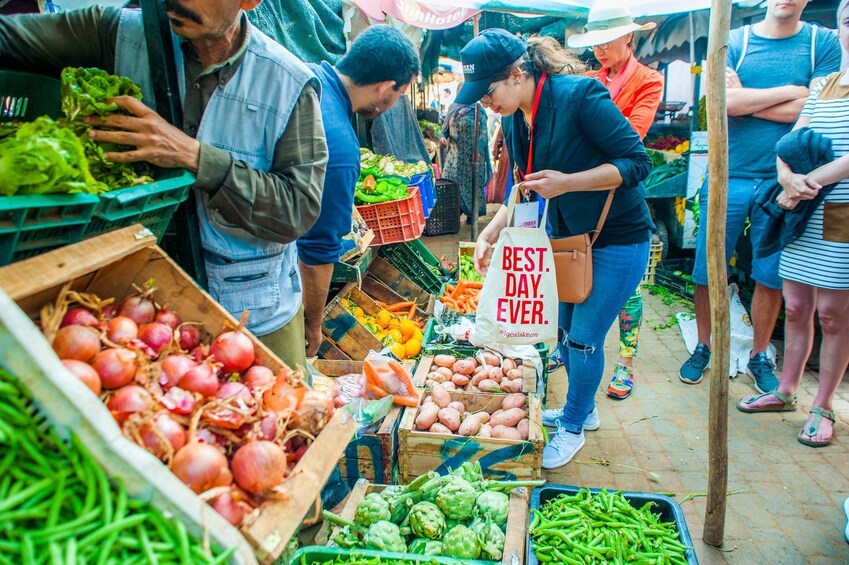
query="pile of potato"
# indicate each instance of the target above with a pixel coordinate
(441, 415)
(494, 375)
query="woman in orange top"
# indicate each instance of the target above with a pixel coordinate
(636, 90)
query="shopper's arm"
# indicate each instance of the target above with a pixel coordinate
(750, 101)
(648, 100)
(487, 238)
(315, 280)
(281, 204)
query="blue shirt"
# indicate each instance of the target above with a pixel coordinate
(322, 244)
(769, 63)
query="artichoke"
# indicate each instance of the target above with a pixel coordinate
(421, 546)
(471, 471)
(491, 540)
(457, 499)
(461, 543)
(373, 508)
(391, 492)
(493, 505)
(427, 521)
(385, 536)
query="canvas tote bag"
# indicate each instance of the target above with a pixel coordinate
(518, 303)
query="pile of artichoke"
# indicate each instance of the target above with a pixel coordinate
(459, 515)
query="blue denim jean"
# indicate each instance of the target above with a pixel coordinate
(741, 205)
(617, 270)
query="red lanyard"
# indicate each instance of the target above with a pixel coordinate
(537, 97)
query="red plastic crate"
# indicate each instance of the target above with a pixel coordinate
(396, 221)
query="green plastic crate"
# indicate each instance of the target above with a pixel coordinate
(18, 100)
(417, 263)
(34, 224)
(319, 554)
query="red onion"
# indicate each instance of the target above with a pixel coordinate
(79, 317)
(173, 432)
(116, 367)
(109, 312)
(202, 379)
(268, 427)
(259, 466)
(233, 349)
(85, 373)
(76, 342)
(140, 308)
(313, 412)
(258, 376)
(201, 466)
(129, 400)
(169, 318)
(173, 367)
(199, 353)
(237, 400)
(156, 335)
(179, 401)
(189, 336)
(283, 397)
(230, 505)
(121, 329)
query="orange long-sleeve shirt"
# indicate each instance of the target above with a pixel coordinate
(639, 97)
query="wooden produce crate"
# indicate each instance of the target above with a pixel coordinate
(420, 452)
(379, 291)
(342, 329)
(110, 265)
(517, 519)
(529, 372)
(406, 288)
(372, 455)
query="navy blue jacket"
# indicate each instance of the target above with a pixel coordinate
(578, 127)
(322, 244)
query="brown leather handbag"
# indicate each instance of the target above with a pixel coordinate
(573, 261)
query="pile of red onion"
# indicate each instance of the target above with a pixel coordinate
(226, 425)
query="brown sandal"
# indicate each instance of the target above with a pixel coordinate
(789, 403)
(810, 431)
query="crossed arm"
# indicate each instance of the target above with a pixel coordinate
(778, 104)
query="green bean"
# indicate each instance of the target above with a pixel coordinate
(123, 524)
(183, 537)
(27, 493)
(146, 546)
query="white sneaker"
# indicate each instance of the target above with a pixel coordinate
(562, 448)
(846, 510)
(551, 415)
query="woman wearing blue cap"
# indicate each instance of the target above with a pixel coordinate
(583, 148)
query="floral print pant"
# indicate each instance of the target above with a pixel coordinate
(629, 325)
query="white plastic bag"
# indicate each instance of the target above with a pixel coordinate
(518, 302)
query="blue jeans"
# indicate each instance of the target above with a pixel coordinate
(741, 197)
(617, 270)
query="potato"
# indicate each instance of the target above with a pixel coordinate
(485, 431)
(505, 432)
(508, 364)
(440, 395)
(444, 360)
(427, 399)
(512, 386)
(483, 416)
(448, 385)
(514, 374)
(460, 380)
(490, 358)
(524, 427)
(458, 406)
(446, 371)
(437, 377)
(488, 385)
(495, 374)
(429, 383)
(470, 426)
(427, 416)
(513, 401)
(438, 428)
(508, 418)
(494, 414)
(450, 418)
(464, 366)
(476, 379)
(472, 388)
(479, 369)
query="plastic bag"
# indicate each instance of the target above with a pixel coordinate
(385, 376)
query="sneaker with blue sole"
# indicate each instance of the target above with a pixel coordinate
(564, 445)
(550, 417)
(762, 371)
(693, 371)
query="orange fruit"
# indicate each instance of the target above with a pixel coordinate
(413, 347)
(408, 328)
(397, 336)
(399, 350)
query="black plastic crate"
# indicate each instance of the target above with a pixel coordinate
(445, 216)
(676, 276)
(668, 509)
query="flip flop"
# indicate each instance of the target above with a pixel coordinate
(789, 403)
(810, 431)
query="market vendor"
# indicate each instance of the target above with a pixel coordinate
(636, 90)
(368, 80)
(251, 131)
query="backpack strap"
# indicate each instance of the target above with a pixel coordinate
(814, 49)
(747, 30)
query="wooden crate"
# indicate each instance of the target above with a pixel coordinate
(343, 330)
(379, 291)
(529, 372)
(372, 455)
(109, 265)
(517, 520)
(420, 452)
(386, 273)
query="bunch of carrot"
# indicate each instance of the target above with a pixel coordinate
(388, 377)
(403, 309)
(463, 297)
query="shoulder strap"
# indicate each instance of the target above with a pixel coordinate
(603, 217)
(747, 30)
(814, 49)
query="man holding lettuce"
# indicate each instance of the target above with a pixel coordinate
(251, 131)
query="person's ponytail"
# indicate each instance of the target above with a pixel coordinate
(546, 55)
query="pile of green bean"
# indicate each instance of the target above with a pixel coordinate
(603, 528)
(57, 506)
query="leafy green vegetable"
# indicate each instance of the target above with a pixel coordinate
(85, 92)
(44, 158)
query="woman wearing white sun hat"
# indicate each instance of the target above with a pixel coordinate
(636, 90)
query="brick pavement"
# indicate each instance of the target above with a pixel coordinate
(790, 507)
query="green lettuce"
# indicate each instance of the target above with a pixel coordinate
(85, 92)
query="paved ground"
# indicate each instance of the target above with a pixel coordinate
(787, 506)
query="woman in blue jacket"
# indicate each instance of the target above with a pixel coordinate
(582, 149)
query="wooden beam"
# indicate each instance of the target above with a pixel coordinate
(720, 21)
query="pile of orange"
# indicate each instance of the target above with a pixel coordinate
(401, 334)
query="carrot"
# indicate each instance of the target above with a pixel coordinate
(412, 311)
(400, 306)
(472, 284)
(405, 401)
(404, 375)
(461, 288)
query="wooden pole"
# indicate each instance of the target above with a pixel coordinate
(476, 192)
(720, 21)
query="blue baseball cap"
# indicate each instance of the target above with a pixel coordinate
(484, 58)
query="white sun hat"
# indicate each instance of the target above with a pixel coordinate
(605, 23)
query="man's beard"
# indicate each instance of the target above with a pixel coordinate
(179, 10)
